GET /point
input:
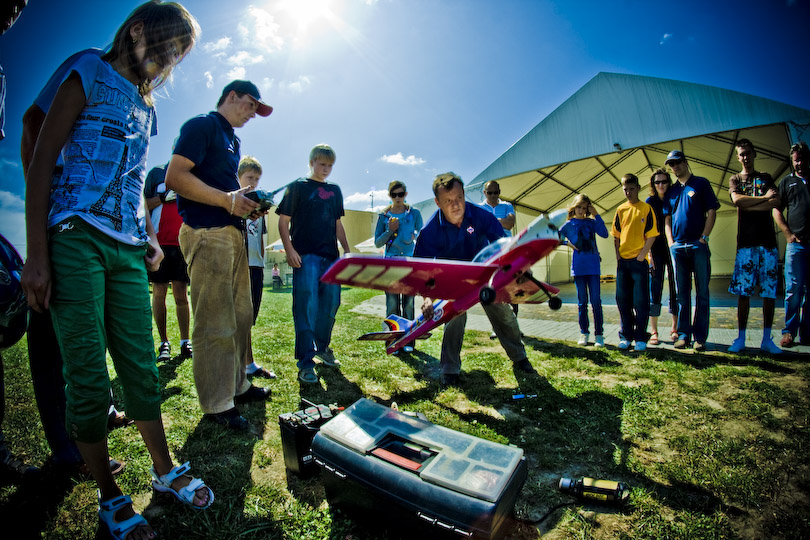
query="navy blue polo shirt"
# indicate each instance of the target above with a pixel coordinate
(688, 205)
(210, 143)
(441, 239)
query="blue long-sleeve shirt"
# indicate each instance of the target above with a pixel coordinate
(403, 242)
(581, 233)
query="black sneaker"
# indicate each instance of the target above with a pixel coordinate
(525, 366)
(185, 350)
(164, 351)
(15, 469)
(230, 418)
(254, 393)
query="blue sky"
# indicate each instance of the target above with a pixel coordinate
(405, 89)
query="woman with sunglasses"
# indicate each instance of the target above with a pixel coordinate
(659, 185)
(397, 227)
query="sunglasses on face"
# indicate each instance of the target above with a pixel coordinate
(493, 192)
(397, 195)
(661, 182)
(675, 162)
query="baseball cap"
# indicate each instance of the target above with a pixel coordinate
(675, 155)
(247, 87)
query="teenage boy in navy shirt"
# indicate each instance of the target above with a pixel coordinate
(690, 210)
(203, 172)
(459, 230)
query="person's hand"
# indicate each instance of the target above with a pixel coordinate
(592, 210)
(238, 204)
(702, 241)
(790, 238)
(293, 258)
(427, 308)
(393, 224)
(36, 283)
(154, 255)
(770, 194)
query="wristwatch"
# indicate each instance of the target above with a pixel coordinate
(705, 238)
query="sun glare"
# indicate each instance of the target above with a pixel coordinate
(306, 12)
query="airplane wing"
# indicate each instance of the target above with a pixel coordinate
(434, 278)
(526, 292)
(387, 336)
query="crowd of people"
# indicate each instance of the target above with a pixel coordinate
(99, 230)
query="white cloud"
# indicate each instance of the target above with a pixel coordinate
(218, 45)
(237, 73)
(209, 79)
(399, 159)
(260, 30)
(665, 38)
(363, 201)
(244, 58)
(266, 84)
(300, 85)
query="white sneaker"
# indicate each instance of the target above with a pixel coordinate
(739, 344)
(583, 339)
(640, 346)
(624, 344)
(768, 346)
(599, 342)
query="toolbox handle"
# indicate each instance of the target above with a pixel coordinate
(308, 402)
(396, 459)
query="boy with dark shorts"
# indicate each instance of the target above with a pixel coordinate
(162, 205)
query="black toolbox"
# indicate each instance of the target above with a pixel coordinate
(413, 475)
(297, 430)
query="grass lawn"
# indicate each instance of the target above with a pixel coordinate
(713, 446)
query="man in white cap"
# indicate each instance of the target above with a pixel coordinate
(203, 172)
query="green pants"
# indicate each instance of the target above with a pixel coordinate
(100, 302)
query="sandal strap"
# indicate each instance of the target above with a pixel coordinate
(118, 529)
(172, 475)
(113, 505)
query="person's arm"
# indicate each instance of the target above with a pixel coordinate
(646, 249)
(381, 234)
(261, 236)
(293, 258)
(67, 105)
(668, 230)
(508, 222)
(427, 308)
(752, 203)
(600, 228)
(180, 179)
(616, 244)
(711, 216)
(154, 253)
(781, 222)
(153, 202)
(341, 236)
(32, 125)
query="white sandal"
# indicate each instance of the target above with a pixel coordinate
(118, 530)
(186, 495)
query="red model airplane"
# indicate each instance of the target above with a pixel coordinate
(499, 273)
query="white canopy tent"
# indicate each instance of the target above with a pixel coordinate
(618, 124)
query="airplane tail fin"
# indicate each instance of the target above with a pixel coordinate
(395, 323)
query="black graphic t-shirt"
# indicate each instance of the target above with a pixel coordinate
(314, 208)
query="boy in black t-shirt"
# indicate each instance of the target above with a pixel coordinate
(755, 266)
(310, 227)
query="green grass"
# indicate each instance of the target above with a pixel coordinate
(714, 446)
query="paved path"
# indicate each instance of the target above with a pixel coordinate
(532, 323)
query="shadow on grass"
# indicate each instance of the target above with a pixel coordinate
(599, 357)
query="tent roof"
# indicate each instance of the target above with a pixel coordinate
(619, 123)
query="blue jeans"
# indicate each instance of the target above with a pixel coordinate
(588, 288)
(314, 307)
(399, 304)
(692, 259)
(797, 293)
(633, 299)
(657, 286)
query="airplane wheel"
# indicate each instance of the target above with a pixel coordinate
(554, 303)
(487, 295)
